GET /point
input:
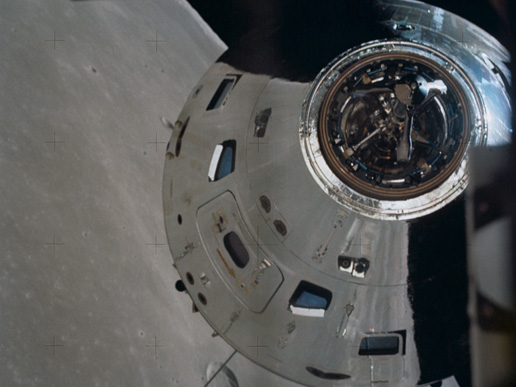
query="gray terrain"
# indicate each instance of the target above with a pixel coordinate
(85, 264)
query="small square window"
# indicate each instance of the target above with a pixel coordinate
(379, 345)
(220, 96)
(310, 300)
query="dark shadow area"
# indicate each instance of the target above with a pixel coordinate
(290, 39)
(438, 291)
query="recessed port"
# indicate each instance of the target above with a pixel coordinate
(261, 121)
(265, 203)
(280, 227)
(190, 278)
(344, 262)
(180, 286)
(202, 298)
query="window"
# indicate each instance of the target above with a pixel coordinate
(379, 345)
(222, 161)
(310, 300)
(220, 96)
(403, 334)
(236, 249)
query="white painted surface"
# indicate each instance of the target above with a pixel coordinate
(215, 162)
(310, 312)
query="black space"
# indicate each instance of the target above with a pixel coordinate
(438, 291)
(290, 39)
(295, 39)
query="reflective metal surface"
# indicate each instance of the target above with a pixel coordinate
(480, 55)
(359, 163)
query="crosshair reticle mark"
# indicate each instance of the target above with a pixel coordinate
(53, 244)
(361, 244)
(155, 345)
(156, 41)
(54, 40)
(258, 244)
(156, 142)
(257, 346)
(156, 244)
(54, 345)
(258, 142)
(54, 142)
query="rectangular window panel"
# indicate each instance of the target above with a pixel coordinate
(222, 161)
(219, 98)
(379, 345)
(310, 300)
